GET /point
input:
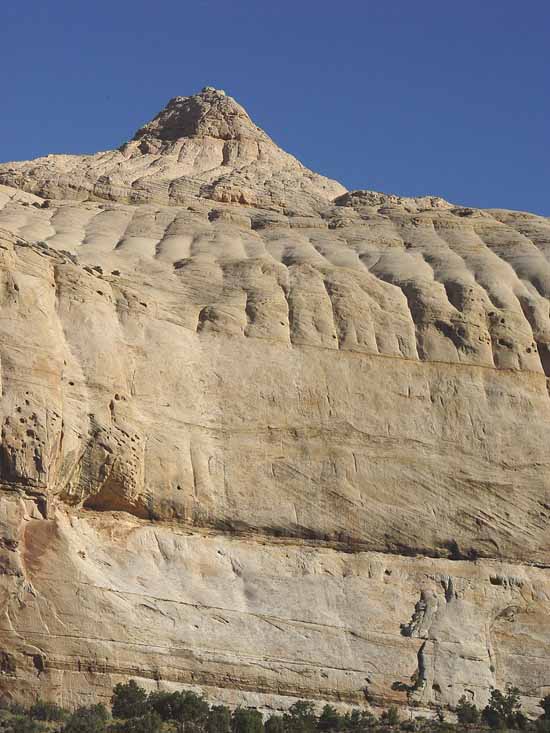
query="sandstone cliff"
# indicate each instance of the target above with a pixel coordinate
(264, 436)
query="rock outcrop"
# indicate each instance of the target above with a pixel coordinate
(204, 145)
(264, 436)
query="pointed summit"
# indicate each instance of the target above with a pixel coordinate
(211, 113)
(203, 146)
(209, 135)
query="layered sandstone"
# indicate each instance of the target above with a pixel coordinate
(264, 436)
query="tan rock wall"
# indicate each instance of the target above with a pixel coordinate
(102, 597)
(264, 442)
(308, 467)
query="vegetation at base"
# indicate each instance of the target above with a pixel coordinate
(133, 710)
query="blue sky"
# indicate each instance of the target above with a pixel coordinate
(406, 97)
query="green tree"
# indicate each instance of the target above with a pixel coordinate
(359, 721)
(466, 712)
(390, 716)
(162, 703)
(330, 719)
(184, 707)
(219, 720)
(92, 719)
(504, 710)
(151, 722)
(49, 711)
(300, 718)
(247, 720)
(128, 700)
(275, 724)
(191, 710)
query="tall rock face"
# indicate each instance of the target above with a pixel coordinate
(266, 437)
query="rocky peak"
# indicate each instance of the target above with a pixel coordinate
(204, 145)
(211, 113)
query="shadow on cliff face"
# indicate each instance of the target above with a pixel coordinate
(111, 498)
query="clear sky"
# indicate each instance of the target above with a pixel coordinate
(414, 98)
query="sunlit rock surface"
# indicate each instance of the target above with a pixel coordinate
(265, 437)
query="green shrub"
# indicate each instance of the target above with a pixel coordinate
(162, 703)
(192, 708)
(390, 716)
(92, 719)
(128, 700)
(247, 720)
(187, 712)
(219, 720)
(359, 721)
(23, 724)
(16, 708)
(504, 710)
(466, 712)
(151, 722)
(48, 711)
(330, 719)
(300, 718)
(183, 707)
(275, 724)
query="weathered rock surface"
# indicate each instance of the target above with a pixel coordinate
(264, 436)
(203, 145)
